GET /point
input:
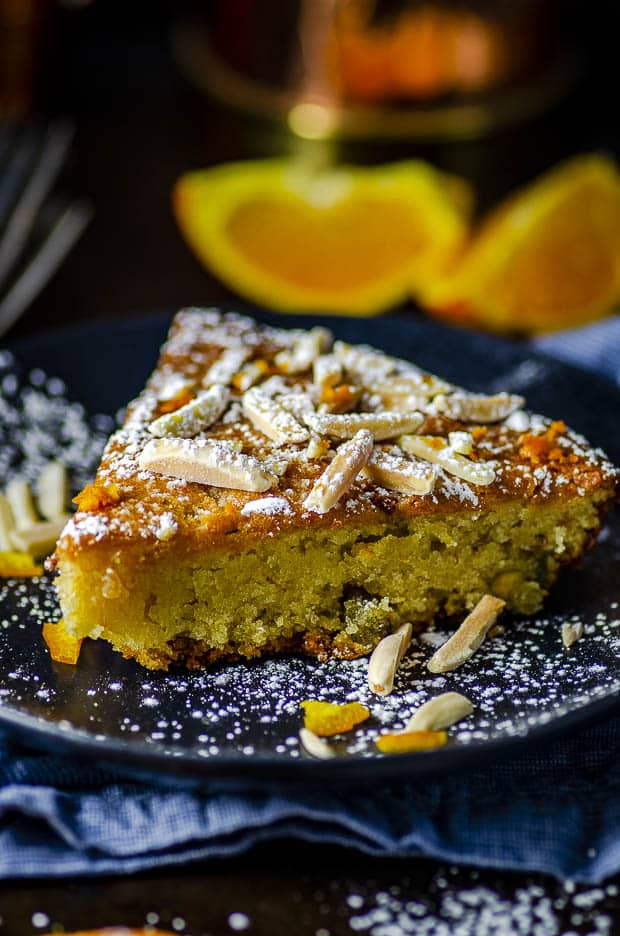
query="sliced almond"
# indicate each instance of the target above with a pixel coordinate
(326, 372)
(345, 425)
(19, 496)
(249, 375)
(227, 365)
(7, 524)
(396, 473)
(270, 418)
(441, 712)
(571, 632)
(340, 473)
(469, 636)
(461, 443)
(437, 450)
(415, 384)
(386, 658)
(206, 461)
(296, 402)
(477, 407)
(39, 538)
(195, 416)
(365, 362)
(52, 490)
(305, 350)
(316, 746)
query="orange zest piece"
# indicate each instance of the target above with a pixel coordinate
(349, 240)
(96, 497)
(409, 741)
(547, 258)
(18, 565)
(340, 398)
(175, 403)
(63, 647)
(331, 718)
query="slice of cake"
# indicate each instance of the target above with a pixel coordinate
(275, 490)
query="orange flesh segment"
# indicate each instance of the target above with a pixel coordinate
(560, 268)
(409, 741)
(324, 249)
(62, 646)
(18, 565)
(330, 718)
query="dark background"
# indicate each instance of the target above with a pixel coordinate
(140, 124)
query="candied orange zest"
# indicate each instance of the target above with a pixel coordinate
(340, 398)
(263, 366)
(63, 647)
(409, 741)
(331, 718)
(172, 405)
(478, 432)
(96, 497)
(538, 448)
(14, 564)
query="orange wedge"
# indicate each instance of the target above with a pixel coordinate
(548, 258)
(347, 240)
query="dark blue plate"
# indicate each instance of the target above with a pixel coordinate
(242, 720)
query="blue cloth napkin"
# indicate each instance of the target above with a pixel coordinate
(555, 810)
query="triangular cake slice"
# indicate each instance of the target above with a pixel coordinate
(276, 490)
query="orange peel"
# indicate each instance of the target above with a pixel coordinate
(63, 647)
(349, 240)
(408, 741)
(330, 718)
(547, 258)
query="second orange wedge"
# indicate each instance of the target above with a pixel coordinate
(547, 258)
(348, 240)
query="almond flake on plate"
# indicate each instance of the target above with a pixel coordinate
(441, 712)
(469, 636)
(386, 658)
(39, 538)
(19, 496)
(316, 746)
(340, 473)
(571, 632)
(52, 490)
(206, 462)
(195, 416)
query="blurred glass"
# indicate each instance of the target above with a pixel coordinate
(429, 69)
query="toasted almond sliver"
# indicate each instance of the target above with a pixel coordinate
(441, 712)
(326, 372)
(39, 538)
(461, 443)
(19, 496)
(405, 385)
(386, 658)
(345, 425)
(365, 362)
(206, 462)
(195, 416)
(52, 490)
(405, 475)
(340, 473)
(227, 365)
(249, 375)
(270, 418)
(436, 450)
(7, 524)
(477, 407)
(466, 640)
(571, 632)
(306, 349)
(297, 403)
(317, 747)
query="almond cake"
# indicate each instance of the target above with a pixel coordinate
(275, 490)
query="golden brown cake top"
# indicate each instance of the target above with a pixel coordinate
(249, 429)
